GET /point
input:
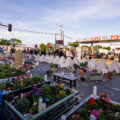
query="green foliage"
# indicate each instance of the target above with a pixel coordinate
(27, 82)
(45, 90)
(54, 66)
(4, 42)
(73, 44)
(2, 86)
(22, 104)
(97, 47)
(17, 84)
(107, 48)
(108, 110)
(37, 79)
(35, 109)
(62, 92)
(83, 64)
(43, 46)
(13, 41)
(6, 71)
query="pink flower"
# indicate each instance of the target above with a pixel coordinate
(95, 113)
(108, 100)
(100, 110)
(21, 80)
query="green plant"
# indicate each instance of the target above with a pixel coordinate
(35, 109)
(17, 84)
(62, 92)
(83, 64)
(3, 86)
(45, 90)
(37, 79)
(27, 81)
(22, 104)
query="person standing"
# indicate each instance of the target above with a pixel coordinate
(119, 58)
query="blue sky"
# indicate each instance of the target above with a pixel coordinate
(81, 18)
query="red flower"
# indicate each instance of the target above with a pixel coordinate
(91, 101)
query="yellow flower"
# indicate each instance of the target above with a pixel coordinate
(62, 85)
(81, 71)
(116, 104)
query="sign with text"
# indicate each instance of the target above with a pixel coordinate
(99, 38)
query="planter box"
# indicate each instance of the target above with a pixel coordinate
(70, 112)
(50, 113)
(10, 78)
(15, 93)
(96, 77)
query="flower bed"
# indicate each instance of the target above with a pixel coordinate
(55, 99)
(6, 71)
(97, 109)
(19, 83)
(10, 89)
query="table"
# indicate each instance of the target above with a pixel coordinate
(59, 76)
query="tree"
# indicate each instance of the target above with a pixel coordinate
(74, 44)
(43, 46)
(107, 48)
(15, 41)
(4, 42)
(85, 46)
(97, 47)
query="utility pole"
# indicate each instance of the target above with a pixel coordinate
(61, 26)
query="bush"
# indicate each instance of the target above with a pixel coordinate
(22, 105)
(45, 90)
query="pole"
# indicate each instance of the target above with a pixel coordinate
(61, 26)
(55, 41)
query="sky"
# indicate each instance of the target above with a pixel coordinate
(81, 18)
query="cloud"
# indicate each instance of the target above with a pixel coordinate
(93, 9)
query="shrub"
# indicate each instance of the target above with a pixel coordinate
(22, 105)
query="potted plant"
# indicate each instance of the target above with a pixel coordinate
(22, 104)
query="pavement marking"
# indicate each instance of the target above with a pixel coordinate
(117, 89)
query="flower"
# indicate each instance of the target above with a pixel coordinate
(75, 117)
(95, 113)
(91, 101)
(105, 97)
(61, 85)
(100, 110)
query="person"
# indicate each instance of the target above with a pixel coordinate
(94, 55)
(24, 51)
(31, 51)
(119, 58)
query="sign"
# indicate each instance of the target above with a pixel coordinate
(18, 59)
(99, 38)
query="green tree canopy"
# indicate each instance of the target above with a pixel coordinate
(86, 47)
(107, 48)
(15, 41)
(43, 46)
(4, 42)
(74, 44)
(97, 47)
